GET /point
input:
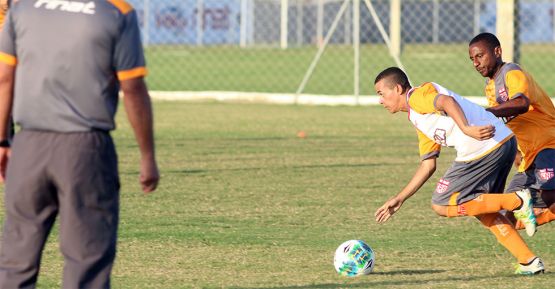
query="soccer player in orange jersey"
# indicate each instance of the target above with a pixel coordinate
(514, 96)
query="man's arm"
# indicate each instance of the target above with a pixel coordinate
(511, 107)
(139, 112)
(7, 76)
(453, 109)
(423, 173)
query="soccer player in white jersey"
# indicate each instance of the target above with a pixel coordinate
(473, 185)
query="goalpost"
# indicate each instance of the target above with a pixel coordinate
(507, 12)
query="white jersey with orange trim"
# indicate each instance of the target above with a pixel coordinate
(436, 129)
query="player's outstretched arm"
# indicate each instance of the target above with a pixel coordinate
(423, 173)
(453, 109)
(7, 76)
(511, 107)
(139, 112)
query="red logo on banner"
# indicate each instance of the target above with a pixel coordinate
(442, 186)
(546, 174)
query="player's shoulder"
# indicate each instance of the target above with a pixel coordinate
(424, 90)
(510, 68)
(123, 6)
(421, 98)
(512, 72)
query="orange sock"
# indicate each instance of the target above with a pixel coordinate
(507, 236)
(485, 204)
(543, 216)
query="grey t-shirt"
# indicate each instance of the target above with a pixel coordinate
(70, 57)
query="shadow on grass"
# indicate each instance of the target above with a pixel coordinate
(407, 272)
(415, 282)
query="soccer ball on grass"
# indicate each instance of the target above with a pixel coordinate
(354, 258)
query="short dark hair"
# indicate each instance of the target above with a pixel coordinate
(486, 37)
(396, 76)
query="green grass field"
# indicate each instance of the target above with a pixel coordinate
(265, 69)
(244, 203)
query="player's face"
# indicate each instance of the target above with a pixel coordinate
(389, 95)
(484, 58)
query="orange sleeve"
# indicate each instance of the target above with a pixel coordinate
(122, 6)
(8, 59)
(517, 84)
(132, 73)
(422, 100)
(427, 147)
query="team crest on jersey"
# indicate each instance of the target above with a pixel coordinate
(546, 174)
(440, 137)
(503, 95)
(442, 186)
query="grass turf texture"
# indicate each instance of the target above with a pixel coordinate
(244, 203)
(263, 69)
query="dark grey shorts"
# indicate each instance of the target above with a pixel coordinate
(464, 181)
(71, 177)
(540, 175)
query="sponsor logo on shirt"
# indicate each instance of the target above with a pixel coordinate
(546, 174)
(67, 6)
(442, 186)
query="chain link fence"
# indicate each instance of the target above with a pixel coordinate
(328, 46)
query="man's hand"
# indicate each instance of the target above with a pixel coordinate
(389, 208)
(483, 132)
(149, 176)
(4, 158)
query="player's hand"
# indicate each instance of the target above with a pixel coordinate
(149, 175)
(4, 158)
(483, 132)
(386, 210)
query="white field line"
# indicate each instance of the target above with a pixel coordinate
(277, 98)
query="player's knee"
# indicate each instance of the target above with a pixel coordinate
(440, 210)
(487, 220)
